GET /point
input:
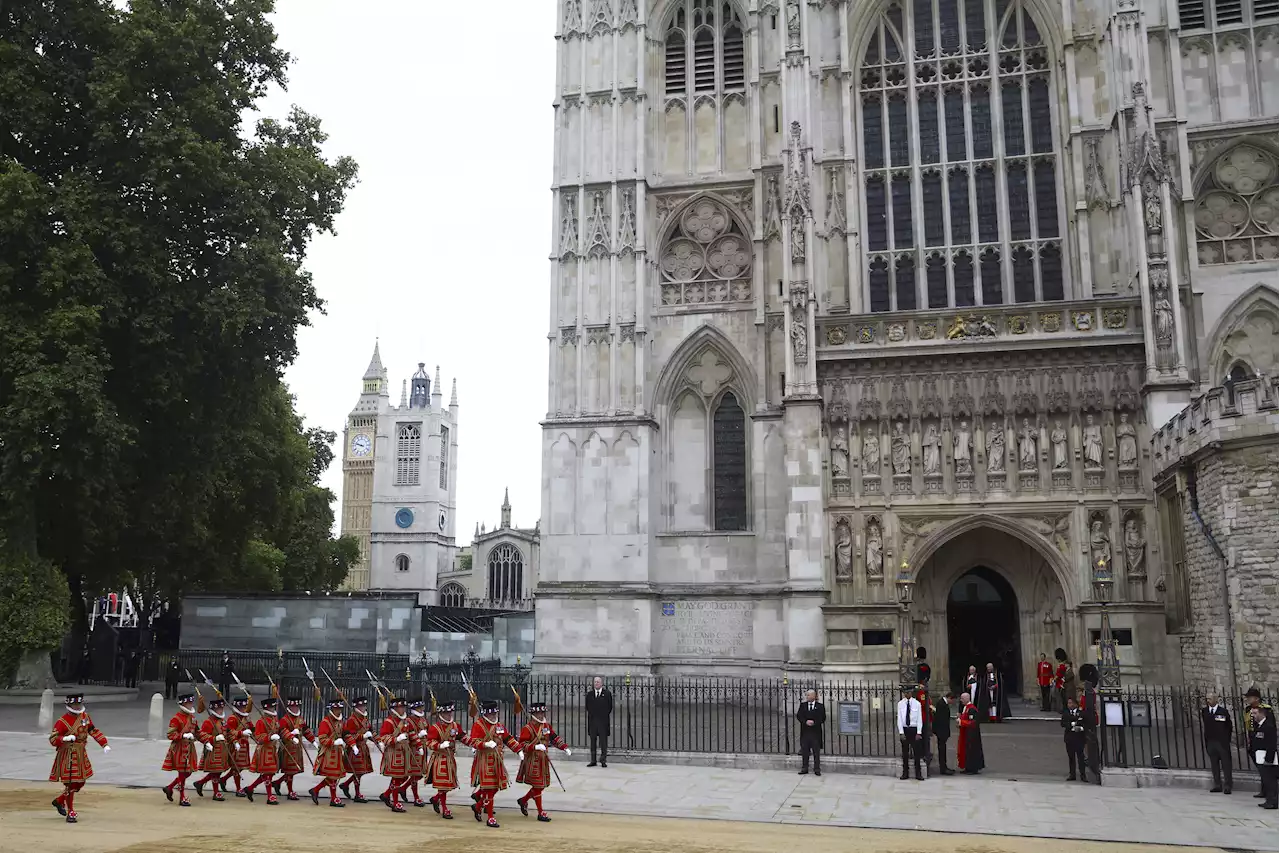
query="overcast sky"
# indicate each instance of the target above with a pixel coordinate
(441, 252)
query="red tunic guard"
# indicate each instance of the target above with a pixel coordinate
(182, 757)
(535, 767)
(489, 738)
(293, 756)
(265, 761)
(239, 735)
(418, 755)
(358, 734)
(398, 737)
(331, 758)
(71, 767)
(214, 735)
(442, 740)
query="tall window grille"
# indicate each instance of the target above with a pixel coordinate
(408, 454)
(444, 457)
(959, 166)
(506, 573)
(716, 52)
(1217, 14)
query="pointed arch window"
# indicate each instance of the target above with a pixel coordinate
(506, 573)
(453, 595)
(1237, 208)
(408, 454)
(705, 257)
(960, 158)
(729, 464)
(444, 457)
(707, 37)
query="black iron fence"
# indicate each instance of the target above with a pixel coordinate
(1163, 727)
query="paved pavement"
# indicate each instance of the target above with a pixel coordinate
(957, 803)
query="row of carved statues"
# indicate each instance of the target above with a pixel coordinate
(962, 450)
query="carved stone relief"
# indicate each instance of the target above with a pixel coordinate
(1126, 442)
(598, 231)
(1092, 440)
(875, 549)
(835, 202)
(568, 224)
(1099, 542)
(627, 222)
(844, 550)
(1028, 442)
(1135, 547)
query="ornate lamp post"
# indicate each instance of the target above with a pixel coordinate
(906, 588)
(1108, 661)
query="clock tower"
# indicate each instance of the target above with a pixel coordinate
(399, 483)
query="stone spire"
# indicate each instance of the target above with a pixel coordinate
(436, 393)
(453, 395)
(376, 369)
(404, 393)
(506, 509)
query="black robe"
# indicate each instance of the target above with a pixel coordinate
(984, 700)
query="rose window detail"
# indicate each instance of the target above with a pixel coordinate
(706, 258)
(1237, 207)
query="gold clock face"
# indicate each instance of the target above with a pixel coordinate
(361, 445)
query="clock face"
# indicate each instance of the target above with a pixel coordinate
(361, 445)
(404, 518)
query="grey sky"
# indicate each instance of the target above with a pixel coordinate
(442, 250)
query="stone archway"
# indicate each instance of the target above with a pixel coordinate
(982, 626)
(1023, 577)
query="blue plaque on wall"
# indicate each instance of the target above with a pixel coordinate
(404, 518)
(668, 608)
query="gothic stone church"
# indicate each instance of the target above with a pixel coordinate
(849, 290)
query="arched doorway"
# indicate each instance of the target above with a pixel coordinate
(982, 627)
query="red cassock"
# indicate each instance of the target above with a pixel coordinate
(182, 756)
(218, 759)
(487, 770)
(266, 759)
(396, 762)
(71, 762)
(1044, 673)
(535, 769)
(443, 762)
(967, 720)
(237, 726)
(353, 732)
(329, 760)
(292, 758)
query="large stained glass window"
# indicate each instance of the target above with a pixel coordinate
(959, 166)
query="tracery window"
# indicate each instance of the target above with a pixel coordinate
(506, 573)
(959, 165)
(1214, 14)
(1237, 207)
(408, 454)
(715, 52)
(706, 257)
(453, 595)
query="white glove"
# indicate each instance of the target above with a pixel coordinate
(275, 737)
(568, 751)
(542, 747)
(296, 732)
(444, 744)
(208, 747)
(401, 738)
(368, 735)
(295, 740)
(520, 755)
(246, 733)
(339, 742)
(68, 738)
(106, 749)
(355, 750)
(489, 744)
(188, 736)
(220, 737)
(420, 752)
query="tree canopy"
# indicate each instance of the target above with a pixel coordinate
(151, 287)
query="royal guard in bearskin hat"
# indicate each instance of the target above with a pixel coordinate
(266, 758)
(358, 734)
(442, 764)
(239, 736)
(217, 749)
(535, 767)
(182, 757)
(418, 755)
(71, 767)
(331, 759)
(398, 737)
(293, 730)
(489, 737)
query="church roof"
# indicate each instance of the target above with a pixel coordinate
(375, 370)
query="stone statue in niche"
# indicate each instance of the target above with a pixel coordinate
(901, 449)
(1127, 439)
(875, 550)
(1135, 549)
(931, 446)
(1058, 438)
(1163, 310)
(1099, 545)
(839, 452)
(797, 236)
(871, 453)
(1027, 446)
(844, 550)
(963, 449)
(1092, 443)
(995, 448)
(793, 24)
(799, 340)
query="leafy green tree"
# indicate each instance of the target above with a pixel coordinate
(33, 611)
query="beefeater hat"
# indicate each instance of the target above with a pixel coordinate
(537, 707)
(489, 706)
(446, 707)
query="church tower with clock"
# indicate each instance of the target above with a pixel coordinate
(399, 491)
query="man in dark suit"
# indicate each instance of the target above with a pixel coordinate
(942, 730)
(224, 674)
(1215, 721)
(811, 715)
(599, 710)
(1092, 715)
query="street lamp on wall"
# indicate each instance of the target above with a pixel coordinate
(905, 586)
(1108, 659)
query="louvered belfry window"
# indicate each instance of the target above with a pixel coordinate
(705, 49)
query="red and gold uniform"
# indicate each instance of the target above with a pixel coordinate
(71, 767)
(418, 755)
(535, 767)
(217, 749)
(442, 764)
(489, 738)
(398, 737)
(331, 757)
(182, 757)
(358, 733)
(1044, 678)
(293, 757)
(239, 735)
(266, 758)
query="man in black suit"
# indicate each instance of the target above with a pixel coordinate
(811, 715)
(942, 730)
(599, 710)
(224, 674)
(1215, 721)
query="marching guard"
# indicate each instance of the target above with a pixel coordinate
(359, 761)
(488, 737)
(535, 767)
(239, 734)
(396, 736)
(71, 767)
(293, 729)
(330, 760)
(217, 750)
(266, 758)
(182, 757)
(442, 764)
(418, 756)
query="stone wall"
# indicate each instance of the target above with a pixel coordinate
(1220, 454)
